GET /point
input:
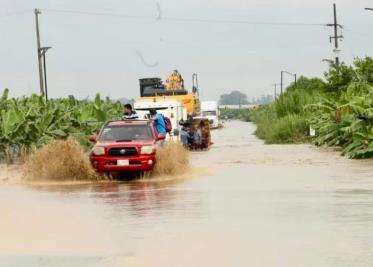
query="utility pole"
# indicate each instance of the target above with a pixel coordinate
(43, 51)
(45, 77)
(282, 79)
(336, 36)
(275, 85)
(37, 12)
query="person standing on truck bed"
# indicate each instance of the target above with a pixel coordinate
(129, 113)
(158, 121)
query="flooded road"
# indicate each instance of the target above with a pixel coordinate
(249, 205)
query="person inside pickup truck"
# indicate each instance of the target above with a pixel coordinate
(129, 113)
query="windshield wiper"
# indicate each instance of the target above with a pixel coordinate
(124, 140)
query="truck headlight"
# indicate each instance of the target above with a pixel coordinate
(147, 150)
(98, 151)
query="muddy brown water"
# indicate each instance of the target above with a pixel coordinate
(250, 205)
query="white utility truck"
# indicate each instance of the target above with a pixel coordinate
(172, 109)
(210, 110)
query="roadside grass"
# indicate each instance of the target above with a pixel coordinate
(286, 120)
(292, 128)
(339, 109)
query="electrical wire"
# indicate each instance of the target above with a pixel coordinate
(14, 13)
(96, 13)
(241, 22)
(197, 20)
(357, 33)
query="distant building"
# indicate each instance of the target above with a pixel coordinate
(249, 106)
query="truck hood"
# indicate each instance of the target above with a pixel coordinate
(135, 143)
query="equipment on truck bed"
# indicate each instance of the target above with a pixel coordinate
(193, 131)
(175, 81)
(155, 90)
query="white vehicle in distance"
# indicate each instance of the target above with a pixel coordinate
(172, 109)
(210, 110)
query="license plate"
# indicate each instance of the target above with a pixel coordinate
(123, 162)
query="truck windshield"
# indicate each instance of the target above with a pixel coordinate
(126, 133)
(209, 113)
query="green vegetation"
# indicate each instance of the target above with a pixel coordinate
(238, 98)
(286, 120)
(31, 122)
(234, 98)
(346, 121)
(237, 114)
(339, 109)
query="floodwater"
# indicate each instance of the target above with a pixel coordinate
(250, 205)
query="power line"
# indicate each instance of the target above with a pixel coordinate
(198, 20)
(357, 33)
(14, 13)
(96, 13)
(241, 22)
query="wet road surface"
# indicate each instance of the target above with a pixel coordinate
(250, 205)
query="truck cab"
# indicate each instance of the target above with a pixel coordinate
(210, 110)
(125, 146)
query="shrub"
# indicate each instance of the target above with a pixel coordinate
(292, 128)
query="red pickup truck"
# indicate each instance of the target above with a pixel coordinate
(125, 146)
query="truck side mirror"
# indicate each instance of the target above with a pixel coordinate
(93, 139)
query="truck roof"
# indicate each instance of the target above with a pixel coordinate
(158, 103)
(127, 122)
(209, 104)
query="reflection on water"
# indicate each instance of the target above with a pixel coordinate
(257, 206)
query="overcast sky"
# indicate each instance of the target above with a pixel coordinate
(108, 53)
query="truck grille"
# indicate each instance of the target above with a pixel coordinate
(122, 151)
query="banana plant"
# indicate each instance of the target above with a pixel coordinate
(31, 122)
